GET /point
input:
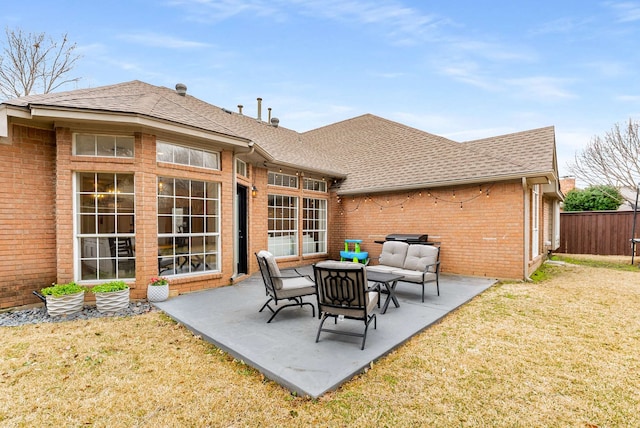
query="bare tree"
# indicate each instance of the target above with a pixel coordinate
(35, 63)
(613, 159)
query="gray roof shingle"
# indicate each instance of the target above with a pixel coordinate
(375, 154)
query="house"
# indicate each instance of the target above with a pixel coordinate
(132, 180)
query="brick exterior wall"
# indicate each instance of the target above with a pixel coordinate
(483, 238)
(27, 216)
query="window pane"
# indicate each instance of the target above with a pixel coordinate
(197, 206)
(165, 205)
(85, 145)
(106, 224)
(106, 145)
(212, 191)
(212, 225)
(164, 152)
(197, 189)
(126, 223)
(86, 182)
(125, 203)
(124, 147)
(87, 224)
(125, 184)
(181, 155)
(165, 186)
(211, 162)
(197, 224)
(165, 224)
(106, 183)
(106, 203)
(87, 204)
(181, 187)
(195, 157)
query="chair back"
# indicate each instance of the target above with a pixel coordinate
(342, 288)
(393, 253)
(269, 271)
(421, 256)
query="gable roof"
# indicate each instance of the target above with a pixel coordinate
(382, 155)
(371, 153)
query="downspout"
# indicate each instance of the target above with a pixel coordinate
(234, 199)
(526, 226)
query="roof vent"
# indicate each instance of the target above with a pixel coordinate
(275, 122)
(181, 89)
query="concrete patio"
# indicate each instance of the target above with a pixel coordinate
(285, 350)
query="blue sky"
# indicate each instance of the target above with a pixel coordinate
(462, 69)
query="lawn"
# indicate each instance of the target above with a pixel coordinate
(564, 351)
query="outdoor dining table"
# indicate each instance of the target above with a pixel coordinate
(389, 280)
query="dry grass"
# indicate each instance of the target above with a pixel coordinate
(562, 352)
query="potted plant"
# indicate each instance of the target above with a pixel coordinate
(63, 299)
(111, 296)
(158, 289)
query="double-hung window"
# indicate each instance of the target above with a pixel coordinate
(105, 226)
(314, 226)
(188, 226)
(283, 225)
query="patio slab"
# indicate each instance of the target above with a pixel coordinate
(285, 350)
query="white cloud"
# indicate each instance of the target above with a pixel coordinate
(628, 98)
(625, 11)
(562, 26)
(161, 41)
(543, 88)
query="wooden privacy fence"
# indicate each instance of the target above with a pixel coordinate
(605, 233)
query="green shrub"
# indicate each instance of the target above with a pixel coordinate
(110, 286)
(58, 290)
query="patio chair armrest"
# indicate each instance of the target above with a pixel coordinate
(297, 274)
(436, 264)
(369, 259)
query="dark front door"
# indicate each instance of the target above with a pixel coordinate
(241, 221)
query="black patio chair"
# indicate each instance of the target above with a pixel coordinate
(283, 286)
(343, 292)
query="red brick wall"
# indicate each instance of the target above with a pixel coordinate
(27, 216)
(483, 238)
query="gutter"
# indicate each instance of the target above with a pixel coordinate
(548, 176)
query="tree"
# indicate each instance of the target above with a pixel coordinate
(613, 159)
(35, 63)
(593, 198)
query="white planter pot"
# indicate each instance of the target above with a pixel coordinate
(112, 301)
(65, 305)
(157, 293)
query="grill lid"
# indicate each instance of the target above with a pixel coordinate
(407, 237)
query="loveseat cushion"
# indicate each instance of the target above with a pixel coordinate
(414, 275)
(421, 256)
(393, 253)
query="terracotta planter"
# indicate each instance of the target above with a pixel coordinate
(157, 293)
(65, 305)
(112, 301)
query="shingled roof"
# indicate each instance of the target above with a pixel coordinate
(382, 155)
(373, 153)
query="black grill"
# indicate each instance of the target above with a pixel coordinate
(409, 238)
